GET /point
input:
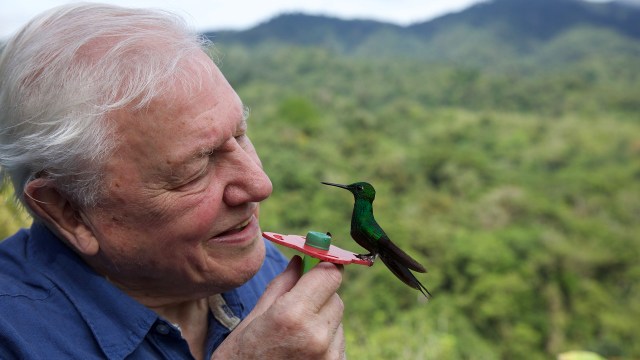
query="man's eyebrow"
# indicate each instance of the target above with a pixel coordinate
(246, 112)
(205, 151)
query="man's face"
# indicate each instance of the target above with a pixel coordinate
(180, 218)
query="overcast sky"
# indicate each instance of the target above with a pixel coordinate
(242, 14)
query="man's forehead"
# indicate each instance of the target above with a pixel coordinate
(209, 132)
(183, 122)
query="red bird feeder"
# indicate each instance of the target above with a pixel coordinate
(317, 245)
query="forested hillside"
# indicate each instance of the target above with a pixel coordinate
(516, 183)
(520, 194)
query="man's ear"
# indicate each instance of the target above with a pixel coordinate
(61, 215)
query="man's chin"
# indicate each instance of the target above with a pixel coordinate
(247, 265)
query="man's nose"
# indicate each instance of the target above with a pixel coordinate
(249, 182)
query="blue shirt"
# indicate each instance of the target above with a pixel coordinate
(54, 306)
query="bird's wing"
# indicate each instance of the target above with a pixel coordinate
(402, 257)
(373, 230)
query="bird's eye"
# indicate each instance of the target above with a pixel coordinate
(360, 187)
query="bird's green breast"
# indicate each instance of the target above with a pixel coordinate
(363, 224)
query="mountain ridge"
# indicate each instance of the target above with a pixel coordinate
(490, 33)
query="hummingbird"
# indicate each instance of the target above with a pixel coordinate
(368, 234)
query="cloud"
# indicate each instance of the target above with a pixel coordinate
(242, 14)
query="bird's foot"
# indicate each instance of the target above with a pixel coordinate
(367, 257)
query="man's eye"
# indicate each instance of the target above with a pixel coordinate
(243, 140)
(190, 184)
(192, 181)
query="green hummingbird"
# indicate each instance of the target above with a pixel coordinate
(368, 234)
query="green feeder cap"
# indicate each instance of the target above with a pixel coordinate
(318, 240)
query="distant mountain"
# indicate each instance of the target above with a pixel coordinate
(307, 30)
(538, 19)
(491, 33)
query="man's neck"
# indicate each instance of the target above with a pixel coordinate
(192, 319)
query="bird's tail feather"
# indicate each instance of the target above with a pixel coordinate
(403, 273)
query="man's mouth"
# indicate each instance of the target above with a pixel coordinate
(238, 228)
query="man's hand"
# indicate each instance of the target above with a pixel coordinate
(296, 318)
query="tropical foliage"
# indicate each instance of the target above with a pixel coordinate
(517, 185)
(519, 191)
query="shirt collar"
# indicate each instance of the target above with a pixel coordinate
(118, 322)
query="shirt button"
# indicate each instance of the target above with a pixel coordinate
(163, 329)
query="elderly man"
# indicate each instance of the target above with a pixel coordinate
(129, 148)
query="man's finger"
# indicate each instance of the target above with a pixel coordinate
(278, 286)
(319, 284)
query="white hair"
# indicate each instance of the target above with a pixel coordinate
(66, 71)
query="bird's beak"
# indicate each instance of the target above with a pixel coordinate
(336, 185)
